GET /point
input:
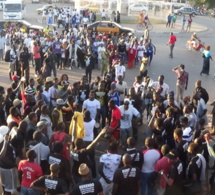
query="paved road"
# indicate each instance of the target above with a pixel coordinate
(161, 64)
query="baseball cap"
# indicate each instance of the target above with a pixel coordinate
(49, 79)
(41, 125)
(17, 102)
(60, 102)
(83, 169)
(14, 77)
(172, 155)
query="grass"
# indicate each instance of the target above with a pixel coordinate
(152, 20)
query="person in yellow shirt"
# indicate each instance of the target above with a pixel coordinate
(46, 30)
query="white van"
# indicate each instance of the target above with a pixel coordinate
(14, 10)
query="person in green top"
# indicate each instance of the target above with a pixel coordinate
(174, 18)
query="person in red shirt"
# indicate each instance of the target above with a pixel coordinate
(163, 165)
(62, 137)
(189, 22)
(28, 172)
(115, 119)
(171, 43)
(37, 58)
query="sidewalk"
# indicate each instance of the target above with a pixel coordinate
(161, 28)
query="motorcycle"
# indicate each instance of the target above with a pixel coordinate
(192, 45)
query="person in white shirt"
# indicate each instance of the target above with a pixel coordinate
(56, 12)
(54, 92)
(73, 47)
(46, 92)
(12, 64)
(192, 118)
(78, 20)
(140, 50)
(7, 43)
(41, 150)
(90, 16)
(67, 20)
(74, 12)
(93, 105)
(27, 42)
(160, 84)
(68, 10)
(119, 70)
(2, 43)
(127, 113)
(50, 17)
(44, 19)
(108, 164)
(99, 51)
(75, 31)
(187, 131)
(59, 20)
(85, 21)
(121, 87)
(63, 17)
(89, 125)
(103, 15)
(150, 156)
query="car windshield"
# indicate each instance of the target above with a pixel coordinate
(13, 8)
(118, 25)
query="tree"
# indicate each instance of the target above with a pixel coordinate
(208, 3)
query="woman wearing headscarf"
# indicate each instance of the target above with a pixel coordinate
(206, 54)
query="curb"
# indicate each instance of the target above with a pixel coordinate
(177, 32)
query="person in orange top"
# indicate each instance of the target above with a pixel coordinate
(141, 16)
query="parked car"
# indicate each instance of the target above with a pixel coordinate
(137, 8)
(45, 7)
(90, 7)
(35, 1)
(108, 27)
(186, 11)
(22, 24)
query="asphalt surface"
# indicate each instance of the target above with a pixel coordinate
(161, 64)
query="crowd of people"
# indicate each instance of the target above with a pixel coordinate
(51, 125)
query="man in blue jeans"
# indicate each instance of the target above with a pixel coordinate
(150, 156)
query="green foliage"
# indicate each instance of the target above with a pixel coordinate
(208, 3)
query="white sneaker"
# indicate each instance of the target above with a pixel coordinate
(35, 75)
(80, 68)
